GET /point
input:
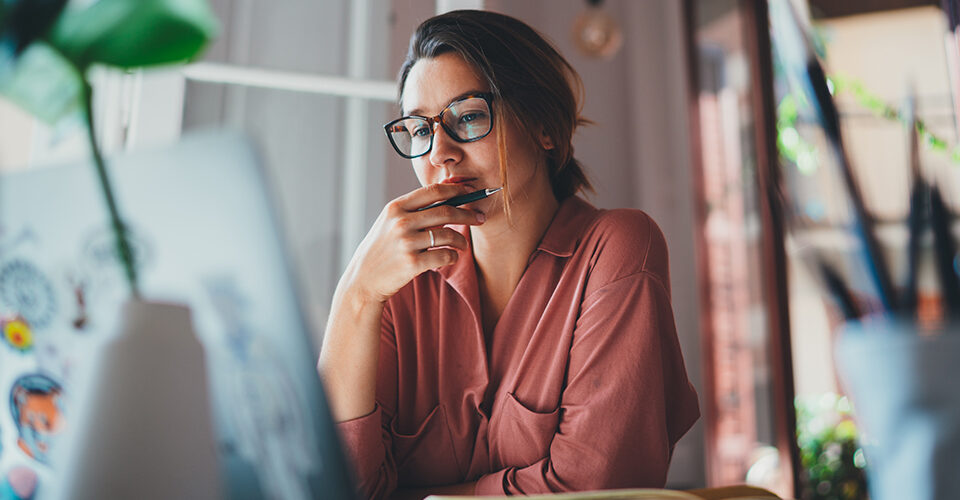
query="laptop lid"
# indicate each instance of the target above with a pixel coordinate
(204, 234)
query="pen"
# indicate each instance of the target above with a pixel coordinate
(916, 222)
(918, 216)
(945, 250)
(463, 199)
(841, 294)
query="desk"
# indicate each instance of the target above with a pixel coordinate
(738, 492)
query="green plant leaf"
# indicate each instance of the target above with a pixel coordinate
(23, 21)
(133, 33)
(43, 83)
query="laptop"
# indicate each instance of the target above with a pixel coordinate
(204, 234)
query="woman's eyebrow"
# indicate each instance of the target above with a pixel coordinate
(418, 111)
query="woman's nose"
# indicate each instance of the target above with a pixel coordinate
(444, 149)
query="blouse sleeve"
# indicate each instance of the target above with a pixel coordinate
(627, 398)
(367, 440)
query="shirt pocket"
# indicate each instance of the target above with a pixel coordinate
(523, 436)
(426, 457)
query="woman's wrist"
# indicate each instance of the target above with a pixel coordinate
(353, 292)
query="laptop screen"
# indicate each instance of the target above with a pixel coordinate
(204, 235)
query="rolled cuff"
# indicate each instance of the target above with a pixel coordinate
(362, 444)
(491, 484)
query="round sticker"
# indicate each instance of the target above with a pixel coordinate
(23, 288)
(20, 483)
(17, 333)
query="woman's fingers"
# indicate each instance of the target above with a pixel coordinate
(405, 242)
(437, 258)
(404, 208)
(445, 214)
(440, 237)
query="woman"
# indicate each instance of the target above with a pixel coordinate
(521, 343)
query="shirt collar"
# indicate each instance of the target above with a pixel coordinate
(563, 234)
(561, 238)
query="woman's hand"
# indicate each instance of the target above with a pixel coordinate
(397, 249)
(398, 246)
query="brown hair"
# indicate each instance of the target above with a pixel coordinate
(530, 81)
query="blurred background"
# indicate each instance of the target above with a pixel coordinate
(692, 120)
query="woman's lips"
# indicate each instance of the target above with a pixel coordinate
(457, 180)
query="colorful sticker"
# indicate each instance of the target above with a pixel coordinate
(17, 333)
(23, 288)
(36, 402)
(20, 483)
(80, 319)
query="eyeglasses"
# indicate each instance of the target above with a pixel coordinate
(466, 120)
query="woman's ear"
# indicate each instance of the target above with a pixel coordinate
(545, 141)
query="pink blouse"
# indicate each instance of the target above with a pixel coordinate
(581, 385)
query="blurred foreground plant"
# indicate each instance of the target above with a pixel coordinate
(47, 48)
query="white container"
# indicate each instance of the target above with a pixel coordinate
(905, 387)
(143, 426)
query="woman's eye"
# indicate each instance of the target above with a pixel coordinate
(469, 117)
(422, 131)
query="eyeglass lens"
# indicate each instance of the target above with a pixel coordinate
(466, 120)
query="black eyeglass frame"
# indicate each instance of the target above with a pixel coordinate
(486, 96)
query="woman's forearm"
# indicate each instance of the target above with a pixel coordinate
(350, 353)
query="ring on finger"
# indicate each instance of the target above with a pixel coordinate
(433, 242)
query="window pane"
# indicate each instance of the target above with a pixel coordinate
(741, 431)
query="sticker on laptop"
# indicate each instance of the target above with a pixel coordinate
(36, 404)
(19, 483)
(100, 251)
(259, 390)
(17, 333)
(25, 289)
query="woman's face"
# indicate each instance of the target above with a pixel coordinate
(434, 83)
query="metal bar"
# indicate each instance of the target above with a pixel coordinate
(238, 41)
(352, 217)
(448, 5)
(379, 90)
